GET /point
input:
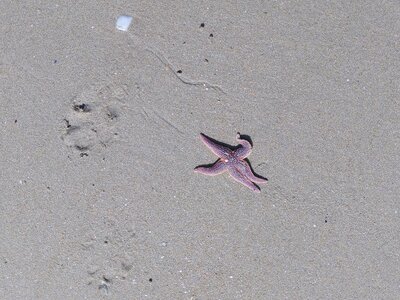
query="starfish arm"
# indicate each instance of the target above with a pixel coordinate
(215, 148)
(239, 177)
(218, 168)
(245, 147)
(245, 169)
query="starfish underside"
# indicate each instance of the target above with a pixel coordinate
(232, 161)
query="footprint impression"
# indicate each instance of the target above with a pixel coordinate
(93, 118)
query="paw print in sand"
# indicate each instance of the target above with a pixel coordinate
(92, 120)
(109, 262)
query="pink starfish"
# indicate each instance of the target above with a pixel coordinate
(232, 161)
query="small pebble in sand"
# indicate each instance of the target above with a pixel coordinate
(123, 22)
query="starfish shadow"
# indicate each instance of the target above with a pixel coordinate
(259, 176)
(233, 148)
(248, 138)
(207, 165)
(221, 143)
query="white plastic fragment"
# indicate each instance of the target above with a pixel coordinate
(123, 22)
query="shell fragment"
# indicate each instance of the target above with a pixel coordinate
(123, 22)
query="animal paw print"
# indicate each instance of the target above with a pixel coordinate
(92, 120)
(113, 266)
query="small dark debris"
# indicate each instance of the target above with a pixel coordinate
(106, 242)
(112, 114)
(202, 25)
(82, 107)
(179, 71)
(106, 279)
(15, 121)
(84, 154)
(211, 35)
(48, 188)
(103, 287)
(184, 43)
(55, 61)
(68, 124)
(71, 128)
(151, 279)
(81, 148)
(206, 60)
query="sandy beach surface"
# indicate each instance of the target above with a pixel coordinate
(100, 135)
